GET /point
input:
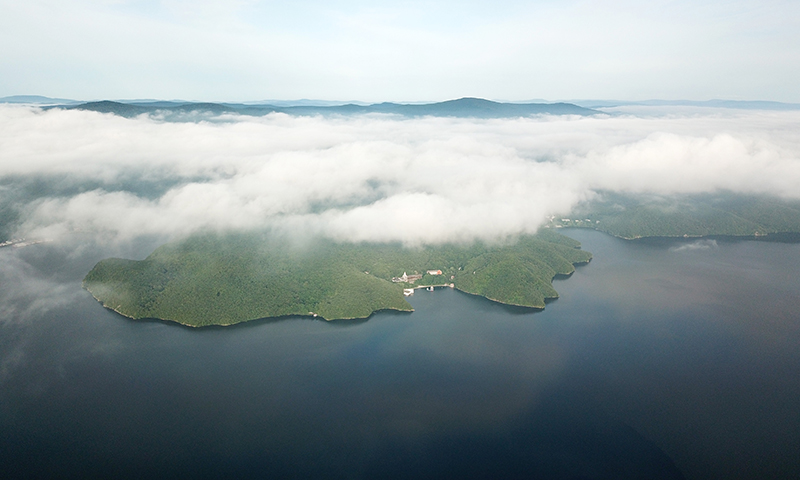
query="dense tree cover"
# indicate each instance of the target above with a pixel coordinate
(630, 216)
(225, 279)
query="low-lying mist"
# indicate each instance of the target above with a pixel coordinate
(369, 178)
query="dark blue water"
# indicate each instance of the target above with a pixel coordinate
(660, 360)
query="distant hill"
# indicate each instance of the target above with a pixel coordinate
(478, 108)
(463, 107)
(36, 100)
(134, 109)
(107, 106)
(737, 104)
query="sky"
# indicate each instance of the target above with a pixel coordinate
(373, 51)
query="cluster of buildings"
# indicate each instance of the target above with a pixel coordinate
(407, 278)
(569, 222)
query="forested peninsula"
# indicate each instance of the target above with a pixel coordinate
(226, 279)
(639, 216)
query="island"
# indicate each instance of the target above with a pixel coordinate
(225, 279)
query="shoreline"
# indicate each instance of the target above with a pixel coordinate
(309, 315)
(783, 237)
(312, 315)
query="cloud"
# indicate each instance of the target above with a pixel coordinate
(21, 297)
(668, 163)
(705, 244)
(376, 178)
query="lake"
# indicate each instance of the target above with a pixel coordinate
(661, 359)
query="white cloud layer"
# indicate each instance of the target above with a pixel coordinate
(379, 178)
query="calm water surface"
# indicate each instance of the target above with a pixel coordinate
(660, 360)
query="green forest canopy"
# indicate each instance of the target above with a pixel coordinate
(226, 279)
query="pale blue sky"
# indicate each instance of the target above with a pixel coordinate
(401, 50)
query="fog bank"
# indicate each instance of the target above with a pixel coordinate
(371, 178)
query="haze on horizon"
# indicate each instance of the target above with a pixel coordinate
(210, 50)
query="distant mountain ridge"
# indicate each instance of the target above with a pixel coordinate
(475, 106)
(716, 103)
(37, 100)
(462, 107)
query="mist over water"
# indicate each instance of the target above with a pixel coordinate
(655, 359)
(370, 177)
